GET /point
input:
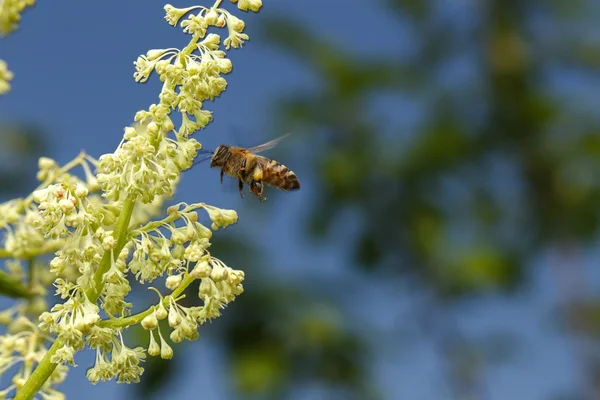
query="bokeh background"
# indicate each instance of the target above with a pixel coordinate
(444, 244)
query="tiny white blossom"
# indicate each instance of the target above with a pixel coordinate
(221, 218)
(173, 281)
(166, 352)
(245, 5)
(150, 322)
(5, 77)
(153, 347)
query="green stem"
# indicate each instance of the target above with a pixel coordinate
(120, 233)
(187, 50)
(40, 375)
(151, 226)
(137, 318)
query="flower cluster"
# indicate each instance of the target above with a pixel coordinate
(5, 78)
(101, 229)
(25, 344)
(10, 14)
(219, 286)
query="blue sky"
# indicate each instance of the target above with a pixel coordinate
(73, 66)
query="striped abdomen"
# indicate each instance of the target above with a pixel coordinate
(279, 176)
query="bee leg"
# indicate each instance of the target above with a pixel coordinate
(227, 157)
(243, 169)
(256, 188)
(241, 187)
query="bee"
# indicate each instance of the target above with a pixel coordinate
(254, 170)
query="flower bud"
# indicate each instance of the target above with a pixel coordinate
(46, 163)
(161, 311)
(236, 277)
(207, 288)
(191, 233)
(155, 53)
(153, 348)
(224, 65)
(201, 270)
(80, 191)
(100, 232)
(178, 237)
(130, 133)
(212, 39)
(177, 336)
(218, 272)
(167, 125)
(108, 242)
(235, 23)
(41, 175)
(153, 128)
(173, 281)
(174, 317)
(192, 216)
(178, 252)
(188, 328)
(221, 21)
(166, 352)
(212, 17)
(66, 205)
(150, 322)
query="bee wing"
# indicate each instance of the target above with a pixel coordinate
(267, 146)
(262, 160)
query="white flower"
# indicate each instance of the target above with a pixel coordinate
(219, 272)
(245, 5)
(202, 268)
(173, 281)
(174, 14)
(212, 17)
(235, 40)
(195, 25)
(221, 218)
(211, 41)
(5, 77)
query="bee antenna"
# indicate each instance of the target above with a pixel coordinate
(203, 158)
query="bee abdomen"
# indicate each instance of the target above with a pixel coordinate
(292, 182)
(280, 176)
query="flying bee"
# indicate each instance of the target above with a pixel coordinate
(257, 171)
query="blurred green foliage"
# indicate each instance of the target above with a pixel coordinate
(20, 147)
(498, 169)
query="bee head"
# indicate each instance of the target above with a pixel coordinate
(218, 158)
